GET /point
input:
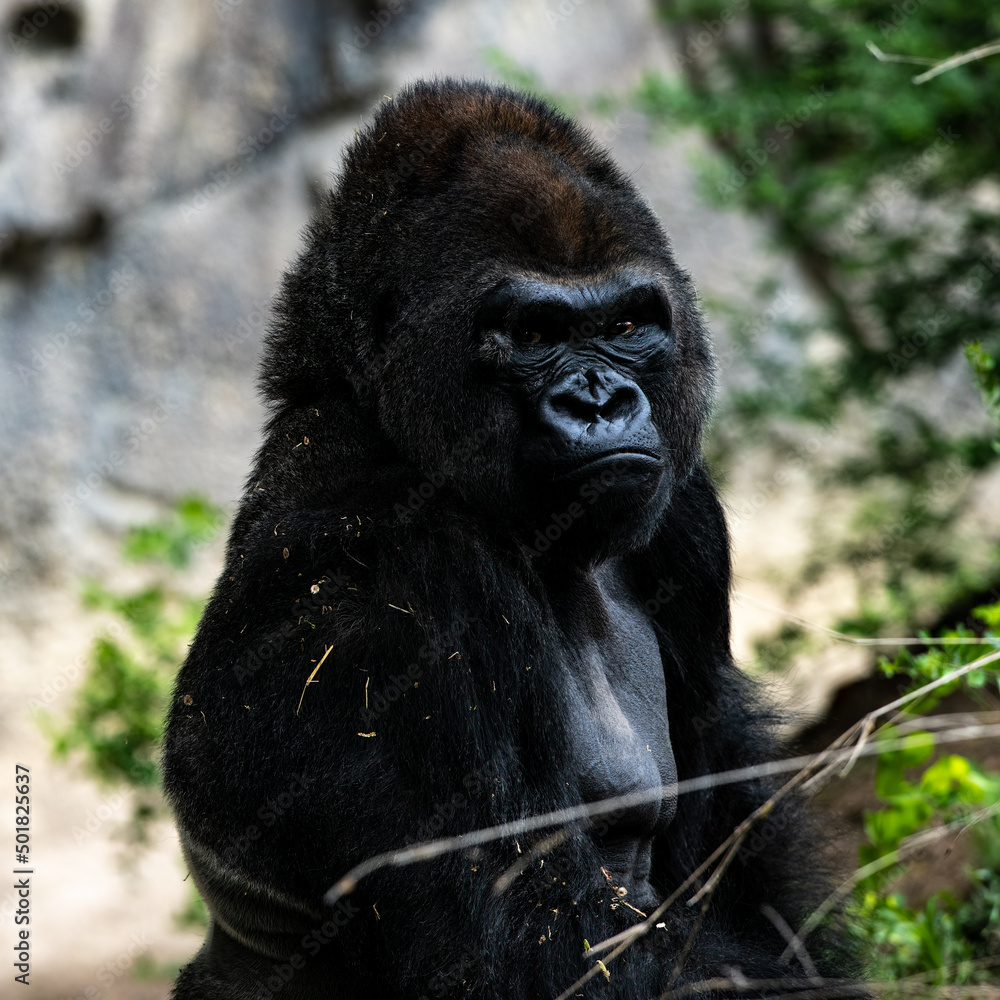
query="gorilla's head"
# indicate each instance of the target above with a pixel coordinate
(487, 298)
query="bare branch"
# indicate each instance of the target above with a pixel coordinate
(989, 49)
(907, 846)
(573, 814)
(794, 943)
(886, 57)
(809, 769)
(854, 640)
(937, 66)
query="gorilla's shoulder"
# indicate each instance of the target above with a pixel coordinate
(318, 572)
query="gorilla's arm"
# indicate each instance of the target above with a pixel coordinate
(412, 729)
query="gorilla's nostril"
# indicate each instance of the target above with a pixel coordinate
(574, 405)
(622, 403)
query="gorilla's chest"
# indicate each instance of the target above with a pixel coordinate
(616, 730)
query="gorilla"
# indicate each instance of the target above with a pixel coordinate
(480, 573)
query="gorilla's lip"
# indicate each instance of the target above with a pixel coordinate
(632, 457)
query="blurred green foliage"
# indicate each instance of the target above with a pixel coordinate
(116, 720)
(946, 940)
(193, 522)
(888, 196)
(988, 375)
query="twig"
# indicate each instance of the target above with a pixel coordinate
(543, 846)
(960, 59)
(799, 989)
(863, 729)
(625, 938)
(309, 679)
(944, 679)
(794, 942)
(907, 846)
(855, 640)
(571, 814)
(886, 57)
(804, 765)
(937, 67)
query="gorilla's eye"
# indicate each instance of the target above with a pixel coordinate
(622, 329)
(528, 337)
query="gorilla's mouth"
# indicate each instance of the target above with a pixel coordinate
(609, 466)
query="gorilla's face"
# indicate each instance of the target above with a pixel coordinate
(565, 403)
(579, 361)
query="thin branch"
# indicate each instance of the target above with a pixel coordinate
(960, 59)
(794, 943)
(805, 765)
(937, 66)
(731, 846)
(907, 846)
(886, 57)
(624, 939)
(543, 846)
(692, 935)
(864, 641)
(943, 679)
(572, 814)
(799, 989)
(866, 725)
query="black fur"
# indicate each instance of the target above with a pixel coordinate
(389, 521)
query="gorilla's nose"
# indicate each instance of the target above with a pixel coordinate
(594, 402)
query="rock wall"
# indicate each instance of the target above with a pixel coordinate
(155, 169)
